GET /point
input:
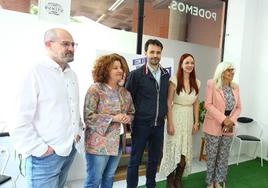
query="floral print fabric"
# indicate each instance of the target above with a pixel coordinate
(217, 151)
(229, 98)
(101, 103)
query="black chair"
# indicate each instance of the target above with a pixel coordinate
(4, 151)
(249, 131)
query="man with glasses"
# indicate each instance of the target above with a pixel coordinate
(47, 115)
(148, 86)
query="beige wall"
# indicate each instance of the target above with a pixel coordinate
(16, 5)
(171, 24)
(206, 32)
(155, 20)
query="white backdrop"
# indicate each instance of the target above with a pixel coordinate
(246, 45)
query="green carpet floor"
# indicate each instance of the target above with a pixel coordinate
(248, 174)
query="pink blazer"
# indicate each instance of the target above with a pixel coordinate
(215, 105)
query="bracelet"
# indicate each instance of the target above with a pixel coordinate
(197, 124)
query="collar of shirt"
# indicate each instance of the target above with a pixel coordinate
(114, 89)
(50, 63)
(152, 69)
(156, 73)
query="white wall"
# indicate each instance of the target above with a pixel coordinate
(246, 45)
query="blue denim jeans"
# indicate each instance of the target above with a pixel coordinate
(48, 172)
(101, 170)
(143, 135)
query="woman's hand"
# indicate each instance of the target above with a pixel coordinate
(126, 119)
(228, 121)
(117, 118)
(122, 118)
(227, 125)
(170, 129)
(195, 128)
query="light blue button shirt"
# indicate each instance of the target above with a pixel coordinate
(156, 73)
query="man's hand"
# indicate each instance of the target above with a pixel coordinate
(49, 151)
(77, 138)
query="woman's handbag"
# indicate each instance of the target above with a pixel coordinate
(227, 128)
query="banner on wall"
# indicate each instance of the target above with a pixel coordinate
(55, 10)
(135, 61)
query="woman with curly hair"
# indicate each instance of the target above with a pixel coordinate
(108, 108)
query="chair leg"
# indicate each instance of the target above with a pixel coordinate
(255, 155)
(261, 154)
(240, 144)
(13, 184)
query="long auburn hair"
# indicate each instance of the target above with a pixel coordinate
(180, 79)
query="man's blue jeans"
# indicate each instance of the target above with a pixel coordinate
(101, 170)
(48, 172)
(142, 136)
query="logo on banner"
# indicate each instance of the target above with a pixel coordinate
(139, 61)
(55, 10)
(193, 10)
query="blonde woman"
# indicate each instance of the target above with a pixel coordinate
(222, 102)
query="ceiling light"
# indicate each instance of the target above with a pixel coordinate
(115, 5)
(101, 17)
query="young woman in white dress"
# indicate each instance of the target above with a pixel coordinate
(182, 122)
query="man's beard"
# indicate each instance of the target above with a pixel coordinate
(154, 61)
(69, 57)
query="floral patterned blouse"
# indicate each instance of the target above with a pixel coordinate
(102, 136)
(229, 98)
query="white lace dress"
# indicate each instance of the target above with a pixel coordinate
(181, 142)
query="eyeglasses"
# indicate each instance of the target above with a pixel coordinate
(67, 44)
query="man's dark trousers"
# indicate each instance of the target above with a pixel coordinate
(143, 134)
